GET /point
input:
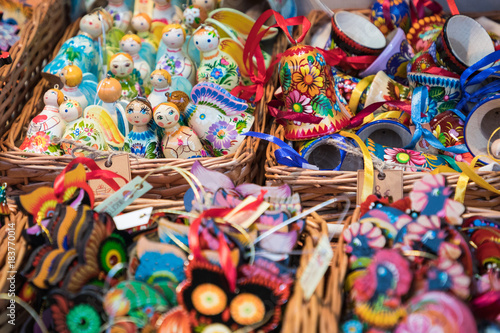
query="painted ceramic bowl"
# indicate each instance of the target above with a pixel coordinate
(399, 12)
(355, 34)
(387, 133)
(462, 43)
(322, 152)
(394, 59)
(444, 92)
(424, 32)
(480, 124)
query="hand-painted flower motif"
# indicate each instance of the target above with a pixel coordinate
(224, 62)
(362, 239)
(138, 149)
(308, 80)
(404, 157)
(320, 59)
(352, 326)
(297, 102)
(418, 323)
(221, 134)
(430, 196)
(449, 276)
(217, 73)
(40, 141)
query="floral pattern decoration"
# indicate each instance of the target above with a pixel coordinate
(221, 134)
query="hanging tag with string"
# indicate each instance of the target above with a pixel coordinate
(117, 202)
(119, 164)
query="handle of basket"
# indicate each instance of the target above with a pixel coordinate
(258, 74)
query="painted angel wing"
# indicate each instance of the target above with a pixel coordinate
(110, 130)
(235, 50)
(239, 22)
(214, 96)
(89, 87)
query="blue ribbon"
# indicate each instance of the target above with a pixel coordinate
(286, 155)
(419, 104)
(480, 77)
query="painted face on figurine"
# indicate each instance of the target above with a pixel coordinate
(206, 39)
(138, 113)
(166, 115)
(130, 45)
(52, 98)
(160, 79)
(91, 24)
(209, 5)
(141, 22)
(70, 110)
(173, 36)
(121, 65)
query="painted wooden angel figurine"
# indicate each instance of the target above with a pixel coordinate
(121, 14)
(142, 139)
(178, 141)
(132, 44)
(121, 67)
(161, 81)
(78, 87)
(45, 126)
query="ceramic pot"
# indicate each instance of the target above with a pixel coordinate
(387, 133)
(399, 12)
(394, 59)
(424, 32)
(462, 43)
(308, 88)
(355, 34)
(444, 92)
(323, 152)
(480, 124)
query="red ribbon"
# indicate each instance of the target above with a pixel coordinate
(453, 7)
(95, 173)
(292, 116)
(386, 11)
(441, 72)
(417, 8)
(258, 74)
(338, 57)
(357, 120)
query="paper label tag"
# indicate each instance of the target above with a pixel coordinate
(120, 164)
(118, 201)
(390, 187)
(316, 268)
(246, 218)
(133, 219)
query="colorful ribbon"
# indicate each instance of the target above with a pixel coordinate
(358, 92)
(258, 74)
(419, 105)
(281, 116)
(286, 155)
(359, 119)
(338, 57)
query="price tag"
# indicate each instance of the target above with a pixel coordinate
(119, 164)
(133, 219)
(390, 186)
(316, 267)
(118, 201)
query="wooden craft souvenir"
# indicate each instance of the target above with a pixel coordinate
(218, 118)
(110, 91)
(131, 44)
(95, 130)
(45, 126)
(175, 61)
(161, 81)
(121, 14)
(195, 15)
(178, 141)
(142, 139)
(81, 50)
(208, 5)
(164, 11)
(77, 88)
(142, 25)
(309, 89)
(121, 67)
(216, 66)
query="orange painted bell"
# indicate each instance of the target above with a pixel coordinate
(308, 88)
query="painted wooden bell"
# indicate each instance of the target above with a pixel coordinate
(308, 88)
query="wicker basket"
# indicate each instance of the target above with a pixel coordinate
(38, 38)
(25, 172)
